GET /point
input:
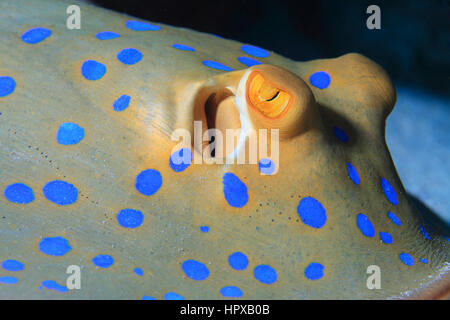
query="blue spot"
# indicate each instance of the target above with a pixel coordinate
(8, 280)
(340, 134)
(53, 285)
(129, 56)
(425, 233)
(389, 191)
(352, 173)
(129, 218)
(7, 86)
(148, 182)
(195, 270)
(266, 166)
(173, 296)
(314, 271)
(231, 292)
(36, 35)
(138, 271)
(386, 237)
(394, 218)
(216, 65)
(54, 246)
(254, 51)
(103, 261)
(182, 47)
(180, 160)
(107, 35)
(320, 79)
(204, 229)
(121, 103)
(238, 261)
(235, 190)
(12, 265)
(93, 70)
(265, 274)
(141, 26)
(148, 298)
(365, 225)
(249, 62)
(407, 259)
(60, 192)
(69, 133)
(19, 193)
(312, 213)
(423, 260)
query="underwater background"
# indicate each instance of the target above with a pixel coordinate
(413, 45)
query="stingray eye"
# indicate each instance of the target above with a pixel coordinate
(266, 97)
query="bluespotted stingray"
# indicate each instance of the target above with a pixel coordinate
(88, 176)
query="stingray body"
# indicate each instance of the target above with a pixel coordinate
(87, 177)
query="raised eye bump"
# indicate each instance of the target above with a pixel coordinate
(270, 100)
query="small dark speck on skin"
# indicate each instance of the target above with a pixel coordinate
(289, 218)
(273, 220)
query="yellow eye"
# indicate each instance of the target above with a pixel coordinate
(269, 100)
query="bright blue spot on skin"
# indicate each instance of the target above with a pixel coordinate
(365, 225)
(182, 47)
(129, 56)
(103, 261)
(423, 260)
(148, 182)
(394, 218)
(54, 246)
(249, 62)
(386, 237)
(389, 191)
(173, 296)
(204, 229)
(60, 192)
(129, 218)
(148, 298)
(320, 79)
(231, 292)
(7, 86)
(195, 270)
(266, 166)
(12, 265)
(19, 193)
(352, 173)
(265, 274)
(254, 51)
(312, 213)
(93, 70)
(53, 285)
(425, 233)
(138, 271)
(180, 160)
(141, 26)
(69, 133)
(340, 134)
(235, 190)
(238, 261)
(36, 35)
(121, 103)
(314, 271)
(107, 35)
(8, 280)
(407, 259)
(216, 65)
